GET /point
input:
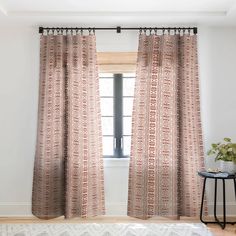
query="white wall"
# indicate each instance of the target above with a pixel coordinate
(217, 58)
(19, 69)
(19, 58)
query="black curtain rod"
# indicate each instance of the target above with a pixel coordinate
(118, 28)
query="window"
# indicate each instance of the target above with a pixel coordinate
(116, 91)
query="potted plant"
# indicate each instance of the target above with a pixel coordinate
(225, 152)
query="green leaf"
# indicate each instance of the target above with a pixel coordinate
(234, 147)
(223, 150)
(227, 139)
(209, 152)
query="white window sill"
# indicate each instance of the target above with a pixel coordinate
(116, 162)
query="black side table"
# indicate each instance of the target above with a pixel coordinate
(216, 177)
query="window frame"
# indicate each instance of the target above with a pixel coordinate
(118, 134)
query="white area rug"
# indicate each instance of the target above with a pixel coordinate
(108, 229)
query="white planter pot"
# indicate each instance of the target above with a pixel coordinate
(228, 166)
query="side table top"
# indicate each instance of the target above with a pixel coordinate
(218, 175)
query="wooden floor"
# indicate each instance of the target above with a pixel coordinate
(217, 231)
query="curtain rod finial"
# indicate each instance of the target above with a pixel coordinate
(118, 29)
(195, 30)
(40, 30)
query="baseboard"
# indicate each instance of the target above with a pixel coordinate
(23, 209)
(116, 209)
(15, 209)
(230, 208)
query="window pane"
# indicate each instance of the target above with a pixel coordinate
(107, 106)
(127, 106)
(108, 146)
(128, 86)
(126, 145)
(127, 124)
(106, 87)
(107, 125)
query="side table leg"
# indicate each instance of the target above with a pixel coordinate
(215, 200)
(203, 193)
(224, 210)
(235, 188)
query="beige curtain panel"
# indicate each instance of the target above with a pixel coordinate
(167, 147)
(68, 171)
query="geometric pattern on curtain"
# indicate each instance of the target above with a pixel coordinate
(68, 171)
(166, 146)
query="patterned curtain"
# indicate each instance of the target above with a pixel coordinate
(166, 147)
(68, 172)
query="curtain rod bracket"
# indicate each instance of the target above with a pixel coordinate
(118, 29)
(195, 30)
